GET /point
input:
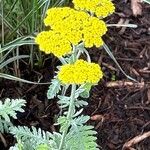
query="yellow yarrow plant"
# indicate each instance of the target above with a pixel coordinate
(100, 8)
(76, 26)
(80, 72)
(70, 32)
(70, 27)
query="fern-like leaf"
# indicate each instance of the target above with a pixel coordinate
(54, 88)
(9, 109)
(4, 125)
(35, 137)
(80, 120)
(81, 137)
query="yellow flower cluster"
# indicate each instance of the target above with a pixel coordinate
(80, 72)
(101, 8)
(53, 42)
(76, 26)
(70, 27)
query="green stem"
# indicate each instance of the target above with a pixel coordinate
(69, 115)
(78, 54)
(88, 56)
(74, 53)
(62, 60)
(63, 94)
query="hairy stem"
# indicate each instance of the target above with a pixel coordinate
(69, 115)
(63, 94)
(62, 60)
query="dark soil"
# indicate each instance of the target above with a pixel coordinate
(118, 112)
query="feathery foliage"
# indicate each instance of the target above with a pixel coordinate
(54, 88)
(35, 139)
(9, 110)
(81, 137)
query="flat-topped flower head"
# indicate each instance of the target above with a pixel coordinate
(53, 42)
(101, 8)
(80, 72)
(56, 15)
(93, 30)
(76, 26)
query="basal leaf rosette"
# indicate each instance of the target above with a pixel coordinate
(76, 26)
(53, 42)
(80, 72)
(101, 8)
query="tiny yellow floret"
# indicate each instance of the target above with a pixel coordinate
(80, 72)
(101, 8)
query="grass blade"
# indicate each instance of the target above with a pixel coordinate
(30, 13)
(8, 24)
(122, 25)
(114, 59)
(147, 1)
(18, 42)
(10, 60)
(10, 77)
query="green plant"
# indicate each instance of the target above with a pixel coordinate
(75, 75)
(8, 110)
(71, 32)
(22, 27)
(33, 138)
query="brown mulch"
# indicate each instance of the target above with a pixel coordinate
(119, 108)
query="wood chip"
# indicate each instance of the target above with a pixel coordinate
(128, 145)
(148, 96)
(126, 22)
(136, 7)
(97, 118)
(120, 22)
(121, 83)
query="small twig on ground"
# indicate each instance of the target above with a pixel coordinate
(1, 92)
(99, 104)
(135, 71)
(124, 28)
(109, 66)
(148, 96)
(128, 145)
(137, 107)
(3, 140)
(99, 118)
(141, 55)
(120, 84)
(144, 71)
